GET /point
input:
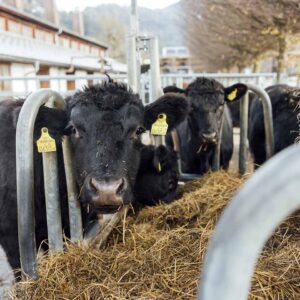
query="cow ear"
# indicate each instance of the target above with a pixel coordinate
(235, 92)
(174, 106)
(54, 119)
(173, 89)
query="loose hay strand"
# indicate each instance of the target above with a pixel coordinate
(163, 253)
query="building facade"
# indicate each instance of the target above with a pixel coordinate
(32, 47)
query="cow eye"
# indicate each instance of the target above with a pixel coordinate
(138, 132)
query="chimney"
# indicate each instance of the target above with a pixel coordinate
(77, 21)
(51, 13)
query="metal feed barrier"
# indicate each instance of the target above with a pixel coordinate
(246, 224)
(25, 184)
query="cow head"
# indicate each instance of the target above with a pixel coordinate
(207, 98)
(105, 125)
(157, 177)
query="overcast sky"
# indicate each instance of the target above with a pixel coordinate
(81, 4)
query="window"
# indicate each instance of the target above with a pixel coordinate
(39, 34)
(48, 37)
(74, 45)
(64, 42)
(26, 31)
(14, 27)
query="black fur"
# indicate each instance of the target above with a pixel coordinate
(153, 184)
(285, 100)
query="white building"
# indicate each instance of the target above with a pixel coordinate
(31, 47)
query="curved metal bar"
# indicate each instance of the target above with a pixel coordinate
(25, 175)
(247, 223)
(244, 105)
(268, 117)
(268, 123)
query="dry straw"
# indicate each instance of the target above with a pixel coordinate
(162, 254)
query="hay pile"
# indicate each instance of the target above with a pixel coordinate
(160, 253)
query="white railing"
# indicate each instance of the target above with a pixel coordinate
(23, 86)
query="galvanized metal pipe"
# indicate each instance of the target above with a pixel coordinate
(132, 63)
(243, 153)
(25, 175)
(182, 176)
(132, 54)
(268, 117)
(217, 152)
(51, 187)
(53, 210)
(73, 202)
(246, 224)
(156, 90)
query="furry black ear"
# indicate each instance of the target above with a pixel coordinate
(235, 92)
(175, 107)
(173, 89)
(54, 119)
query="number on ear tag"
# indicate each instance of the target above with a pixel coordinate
(160, 126)
(231, 96)
(46, 143)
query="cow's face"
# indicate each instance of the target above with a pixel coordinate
(207, 98)
(158, 177)
(106, 122)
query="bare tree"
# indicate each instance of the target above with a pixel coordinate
(238, 33)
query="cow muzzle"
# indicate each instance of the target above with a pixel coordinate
(106, 196)
(209, 138)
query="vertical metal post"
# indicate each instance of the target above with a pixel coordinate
(132, 55)
(244, 104)
(51, 186)
(217, 152)
(156, 90)
(74, 205)
(53, 211)
(25, 175)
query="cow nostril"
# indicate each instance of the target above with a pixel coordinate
(121, 186)
(209, 136)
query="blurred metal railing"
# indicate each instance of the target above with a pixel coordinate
(246, 224)
(23, 86)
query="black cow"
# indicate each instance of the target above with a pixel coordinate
(105, 122)
(285, 103)
(200, 132)
(157, 178)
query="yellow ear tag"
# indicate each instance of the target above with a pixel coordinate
(232, 95)
(160, 126)
(46, 143)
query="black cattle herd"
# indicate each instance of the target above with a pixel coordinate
(113, 167)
